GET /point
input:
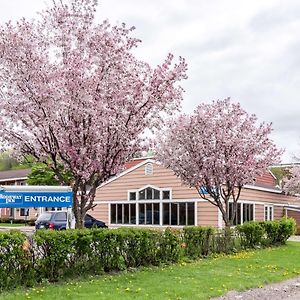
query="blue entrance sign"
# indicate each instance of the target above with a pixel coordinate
(15, 199)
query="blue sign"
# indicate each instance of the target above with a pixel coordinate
(203, 190)
(35, 199)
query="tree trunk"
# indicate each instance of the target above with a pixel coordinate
(82, 202)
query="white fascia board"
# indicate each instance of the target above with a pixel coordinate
(35, 188)
(293, 208)
(149, 160)
(13, 179)
(272, 174)
(258, 188)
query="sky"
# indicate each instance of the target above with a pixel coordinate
(248, 50)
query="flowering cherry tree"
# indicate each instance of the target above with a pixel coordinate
(291, 182)
(217, 150)
(73, 96)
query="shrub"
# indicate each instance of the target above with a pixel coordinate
(16, 264)
(5, 220)
(287, 227)
(271, 229)
(225, 241)
(53, 255)
(53, 251)
(197, 241)
(251, 234)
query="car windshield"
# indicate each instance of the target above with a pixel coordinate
(44, 217)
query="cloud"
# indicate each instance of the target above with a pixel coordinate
(248, 50)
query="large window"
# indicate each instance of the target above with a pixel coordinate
(152, 206)
(122, 214)
(269, 214)
(244, 213)
(149, 213)
(180, 213)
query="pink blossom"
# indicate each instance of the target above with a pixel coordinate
(219, 148)
(73, 94)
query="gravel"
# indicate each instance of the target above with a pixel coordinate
(289, 289)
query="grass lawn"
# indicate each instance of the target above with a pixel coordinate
(198, 280)
(11, 225)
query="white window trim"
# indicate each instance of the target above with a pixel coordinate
(242, 210)
(152, 187)
(24, 208)
(145, 201)
(268, 212)
(128, 195)
(166, 190)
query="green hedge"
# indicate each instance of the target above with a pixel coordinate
(7, 220)
(253, 234)
(16, 266)
(54, 255)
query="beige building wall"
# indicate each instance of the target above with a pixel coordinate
(259, 212)
(206, 213)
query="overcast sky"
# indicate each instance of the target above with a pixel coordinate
(248, 50)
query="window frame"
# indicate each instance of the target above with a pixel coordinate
(269, 218)
(241, 217)
(161, 190)
(23, 209)
(156, 205)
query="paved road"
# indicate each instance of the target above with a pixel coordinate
(25, 229)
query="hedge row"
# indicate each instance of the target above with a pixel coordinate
(17, 221)
(267, 233)
(53, 255)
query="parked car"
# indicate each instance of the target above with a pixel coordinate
(58, 220)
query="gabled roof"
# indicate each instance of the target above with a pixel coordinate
(139, 162)
(20, 174)
(135, 161)
(266, 182)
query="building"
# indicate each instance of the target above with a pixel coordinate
(16, 177)
(149, 195)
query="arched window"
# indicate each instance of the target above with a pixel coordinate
(149, 194)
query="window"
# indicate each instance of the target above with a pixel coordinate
(149, 213)
(122, 214)
(12, 212)
(244, 213)
(61, 216)
(152, 205)
(247, 212)
(182, 213)
(149, 194)
(166, 194)
(269, 214)
(132, 195)
(24, 212)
